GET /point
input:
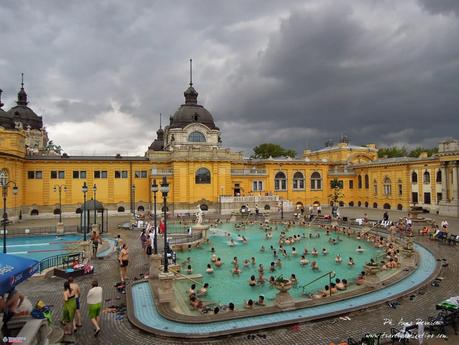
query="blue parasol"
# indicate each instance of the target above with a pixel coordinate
(14, 270)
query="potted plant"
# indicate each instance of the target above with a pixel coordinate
(282, 284)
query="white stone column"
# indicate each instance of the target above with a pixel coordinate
(455, 184)
(166, 287)
(155, 266)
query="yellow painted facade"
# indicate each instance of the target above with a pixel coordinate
(366, 180)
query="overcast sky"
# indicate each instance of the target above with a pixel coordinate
(290, 72)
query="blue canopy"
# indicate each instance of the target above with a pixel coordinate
(14, 270)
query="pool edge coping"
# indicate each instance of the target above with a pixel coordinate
(137, 323)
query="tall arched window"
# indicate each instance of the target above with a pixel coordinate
(280, 181)
(298, 180)
(316, 181)
(426, 177)
(438, 179)
(202, 176)
(196, 137)
(367, 182)
(3, 177)
(375, 187)
(360, 182)
(387, 186)
(414, 177)
(400, 187)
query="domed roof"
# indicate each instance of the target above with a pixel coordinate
(192, 112)
(22, 113)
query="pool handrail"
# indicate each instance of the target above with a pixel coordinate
(331, 275)
(184, 276)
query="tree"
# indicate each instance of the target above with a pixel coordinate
(267, 150)
(391, 152)
(418, 150)
(336, 196)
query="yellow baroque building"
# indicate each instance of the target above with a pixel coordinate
(201, 172)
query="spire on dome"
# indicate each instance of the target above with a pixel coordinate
(191, 95)
(22, 96)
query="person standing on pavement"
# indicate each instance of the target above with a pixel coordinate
(124, 261)
(76, 290)
(94, 300)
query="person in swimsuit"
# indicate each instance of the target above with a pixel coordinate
(69, 309)
(76, 289)
(124, 261)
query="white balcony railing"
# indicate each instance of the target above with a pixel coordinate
(248, 172)
(251, 198)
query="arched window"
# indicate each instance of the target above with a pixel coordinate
(57, 211)
(140, 208)
(399, 207)
(34, 212)
(196, 137)
(387, 186)
(375, 187)
(341, 204)
(360, 182)
(359, 203)
(366, 203)
(375, 205)
(351, 204)
(267, 207)
(316, 181)
(386, 206)
(367, 182)
(426, 177)
(298, 180)
(78, 210)
(280, 181)
(3, 177)
(204, 207)
(121, 209)
(414, 177)
(400, 187)
(438, 179)
(202, 176)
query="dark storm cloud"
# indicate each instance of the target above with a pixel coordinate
(441, 6)
(291, 72)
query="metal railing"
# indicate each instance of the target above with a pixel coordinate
(27, 231)
(330, 275)
(185, 239)
(60, 260)
(248, 172)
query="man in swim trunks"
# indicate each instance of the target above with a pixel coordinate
(124, 261)
(76, 289)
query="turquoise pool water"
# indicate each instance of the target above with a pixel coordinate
(146, 313)
(39, 247)
(226, 287)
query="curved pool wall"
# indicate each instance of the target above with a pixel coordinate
(142, 310)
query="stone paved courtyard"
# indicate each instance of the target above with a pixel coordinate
(120, 331)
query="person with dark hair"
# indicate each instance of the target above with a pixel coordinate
(94, 300)
(231, 306)
(76, 289)
(69, 309)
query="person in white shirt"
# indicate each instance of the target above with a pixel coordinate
(94, 300)
(444, 224)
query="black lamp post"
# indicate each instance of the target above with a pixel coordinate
(60, 188)
(154, 189)
(95, 211)
(282, 209)
(84, 189)
(133, 199)
(164, 190)
(4, 182)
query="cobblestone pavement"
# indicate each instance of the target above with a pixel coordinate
(371, 320)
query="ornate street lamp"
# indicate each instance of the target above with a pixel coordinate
(84, 189)
(94, 201)
(164, 190)
(59, 188)
(5, 183)
(154, 189)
